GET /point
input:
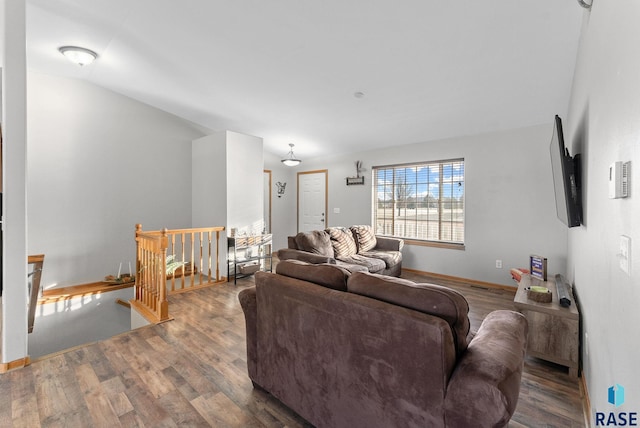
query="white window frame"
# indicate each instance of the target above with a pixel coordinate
(421, 202)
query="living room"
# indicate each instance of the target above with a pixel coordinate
(89, 145)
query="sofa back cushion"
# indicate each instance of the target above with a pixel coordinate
(327, 275)
(315, 241)
(365, 237)
(431, 299)
(342, 241)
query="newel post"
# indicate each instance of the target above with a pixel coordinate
(162, 292)
(138, 281)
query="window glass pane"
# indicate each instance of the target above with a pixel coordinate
(421, 201)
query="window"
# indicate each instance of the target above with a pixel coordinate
(421, 201)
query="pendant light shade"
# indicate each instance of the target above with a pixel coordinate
(291, 159)
(585, 4)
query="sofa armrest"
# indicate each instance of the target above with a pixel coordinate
(388, 244)
(247, 298)
(304, 256)
(484, 387)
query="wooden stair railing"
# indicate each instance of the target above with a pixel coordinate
(193, 249)
(34, 284)
(150, 289)
(200, 255)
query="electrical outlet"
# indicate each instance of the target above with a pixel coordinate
(498, 264)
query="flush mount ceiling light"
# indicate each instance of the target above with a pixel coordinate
(291, 159)
(77, 55)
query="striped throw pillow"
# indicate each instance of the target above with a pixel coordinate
(342, 241)
(365, 237)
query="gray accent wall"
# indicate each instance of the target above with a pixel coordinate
(604, 126)
(510, 203)
(98, 163)
(283, 209)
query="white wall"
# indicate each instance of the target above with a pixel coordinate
(245, 163)
(99, 163)
(209, 180)
(227, 181)
(227, 184)
(603, 125)
(14, 205)
(510, 205)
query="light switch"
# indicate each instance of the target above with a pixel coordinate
(625, 254)
(336, 210)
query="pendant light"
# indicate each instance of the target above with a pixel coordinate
(291, 159)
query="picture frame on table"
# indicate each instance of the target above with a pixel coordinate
(538, 267)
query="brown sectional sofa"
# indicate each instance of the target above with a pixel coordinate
(363, 350)
(356, 248)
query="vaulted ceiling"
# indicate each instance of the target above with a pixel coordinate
(289, 70)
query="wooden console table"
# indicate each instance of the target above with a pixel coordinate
(553, 330)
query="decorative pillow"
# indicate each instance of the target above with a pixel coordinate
(342, 241)
(431, 299)
(316, 242)
(327, 275)
(365, 237)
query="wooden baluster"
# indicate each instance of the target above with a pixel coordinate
(218, 256)
(192, 258)
(201, 255)
(183, 276)
(164, 303)
(209, 258)
(173, 251)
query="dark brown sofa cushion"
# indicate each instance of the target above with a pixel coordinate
(315, 241)
(431, 299)
(342, 241)
(365, 237)
(327, 275)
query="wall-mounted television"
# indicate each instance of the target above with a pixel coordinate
(566, 179)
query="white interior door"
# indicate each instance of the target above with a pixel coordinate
(312, 200)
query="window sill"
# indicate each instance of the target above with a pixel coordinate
(436, 244)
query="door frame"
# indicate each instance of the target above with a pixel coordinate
(269, 172)
(326, 195)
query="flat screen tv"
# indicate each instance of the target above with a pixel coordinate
(566, 179)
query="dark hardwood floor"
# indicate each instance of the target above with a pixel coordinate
(191, 372)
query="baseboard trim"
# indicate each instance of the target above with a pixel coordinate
(17, 364)
(472, 282)
(586, 401)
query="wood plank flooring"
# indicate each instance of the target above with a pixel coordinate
(191, 372)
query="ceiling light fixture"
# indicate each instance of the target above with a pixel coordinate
(585, 4)
(291, 159)
(77, 55)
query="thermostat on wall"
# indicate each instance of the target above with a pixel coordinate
(619, 180)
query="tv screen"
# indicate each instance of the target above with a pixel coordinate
(566, 179)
